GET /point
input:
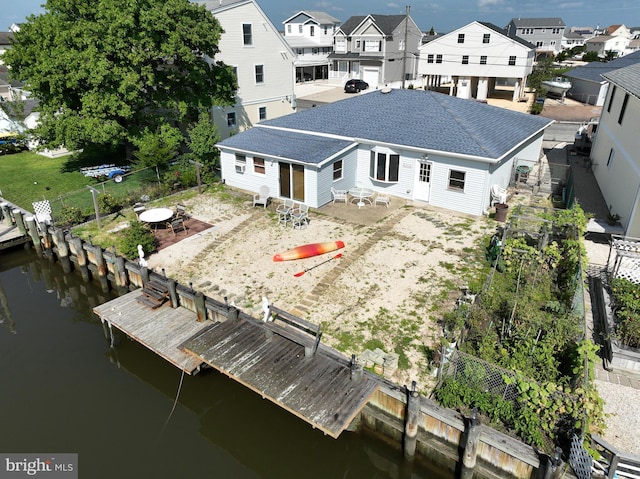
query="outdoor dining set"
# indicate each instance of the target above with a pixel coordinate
(293, 213)
(172, 219)
(360, 196)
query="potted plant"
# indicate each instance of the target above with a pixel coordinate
(613, 218)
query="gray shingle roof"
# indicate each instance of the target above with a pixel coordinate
(321, 17)
(508, 34)
(593, 71)
(303, 147)
(386, 23)
(538, 22)
(411, 118)
(627, 78)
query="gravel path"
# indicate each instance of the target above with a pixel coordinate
(623, 423)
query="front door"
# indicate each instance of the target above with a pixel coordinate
(423, 181)
(291, 181)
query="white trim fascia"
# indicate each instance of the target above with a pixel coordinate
(260, 155)
(308, 132)
(335, 155)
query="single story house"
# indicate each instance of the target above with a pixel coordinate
(412, 144)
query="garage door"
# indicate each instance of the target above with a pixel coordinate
(371, 75)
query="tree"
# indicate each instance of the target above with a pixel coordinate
(157, 147)
(203, 137)
(590, 57)
(109, 72)
(543, 70)
(610, 55)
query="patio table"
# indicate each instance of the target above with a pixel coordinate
(156, 215)
(362, 194)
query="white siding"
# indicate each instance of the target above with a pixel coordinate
(268, 49)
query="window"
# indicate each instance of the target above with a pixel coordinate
(341, 44)
(258, 166)
(483, 60)
(624, 107)
(357, 45)
(512, 60)
(337, 170)
(259, 73)
(401, 45)
(372, 46)
(430, 58)
(610, 159)
(262, 113)
(613, 93)
(315, 51)
(438, 58)
(231, 119)
(300, 28)
(300, 51)
(486, 37)
(326, 29)
(456, 180)
(241, 163)
(383, 167)
(313, 31)
(465, 59)
(460, 37)
(539, 44)
(247, 37)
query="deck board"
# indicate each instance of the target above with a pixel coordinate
(318, 389)
(163, 330)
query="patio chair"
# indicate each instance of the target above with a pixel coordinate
(176, 226)
(382, 200)
(139, 208)
(339, 195)
(263, 197)
(300, 216)
(498, 195)
(284, 211)
(181, 211)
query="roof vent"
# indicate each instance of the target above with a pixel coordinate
(385, 90)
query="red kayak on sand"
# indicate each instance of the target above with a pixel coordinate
(309, 250)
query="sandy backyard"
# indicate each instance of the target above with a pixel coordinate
(400, 270)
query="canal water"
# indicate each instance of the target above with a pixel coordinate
(63, 389)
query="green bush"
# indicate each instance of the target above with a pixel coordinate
(137, 234)
(71, 215)
(108, 203)
(627, 301)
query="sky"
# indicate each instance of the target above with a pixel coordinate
(442, 15)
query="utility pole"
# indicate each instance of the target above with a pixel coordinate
(404, 52)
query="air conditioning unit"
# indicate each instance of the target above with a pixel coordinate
(240, 169)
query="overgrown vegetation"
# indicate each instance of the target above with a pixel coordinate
(524, 321)
(627, 310)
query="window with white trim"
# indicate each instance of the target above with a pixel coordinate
(289, 28)
(337, 170)
(465, 59)
(258, 166)
(372, 46)
(613, 93)
(262, 113)
(231, 119)
(241, 163)
(313, 31)
(438, 58)
(401, 45)
(247, 35)
(460, 37)
(486, 38)
(259, 73)
(456, 180)
(341, 44)
(483, 60)
(512, 60)
(623, 108)
(430, 58)
(300, 28)
(384, 167)
(610, 159)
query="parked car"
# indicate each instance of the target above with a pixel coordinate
(355, 86)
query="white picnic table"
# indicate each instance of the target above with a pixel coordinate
(362, 194)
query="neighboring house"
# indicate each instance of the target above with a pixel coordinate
(379, 49)
(310, 36)
(633, 46)
(572, 39)
(614, 153)
(10, 90)
(263, 62)
(412, 144)
(588, 85)
(544, 33)
(474, 56)
(5, 43)
(601, 44)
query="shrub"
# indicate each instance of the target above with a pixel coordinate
(71, 215)
(137, 234)
(107, 203)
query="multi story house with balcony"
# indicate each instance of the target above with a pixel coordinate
(379, 49)
(310, 36)
(544, 33)
(615, 38)
(472, 58)
(263, 63)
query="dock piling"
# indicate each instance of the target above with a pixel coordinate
(19, 219)
(470, 446)
(33, 233)
(6, 213)
(411, 422)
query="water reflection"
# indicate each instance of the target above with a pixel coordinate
(66, 390)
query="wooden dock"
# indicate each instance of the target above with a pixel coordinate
(162, 329)
(318, 389)
(11, 236)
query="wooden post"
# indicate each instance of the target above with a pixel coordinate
(122, 280)
(33, 232)
(411, 422)
(470, 446)
(6, 213)
(144, 274)
(201, 311)
(173, 293)
(19, 219)
(101, 267)
(232, 313)
(356, 369)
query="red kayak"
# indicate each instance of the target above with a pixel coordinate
(309, 250)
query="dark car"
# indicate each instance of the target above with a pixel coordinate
(355, 86)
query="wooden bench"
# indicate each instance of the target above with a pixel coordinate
(295, 329)
(154, 294)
